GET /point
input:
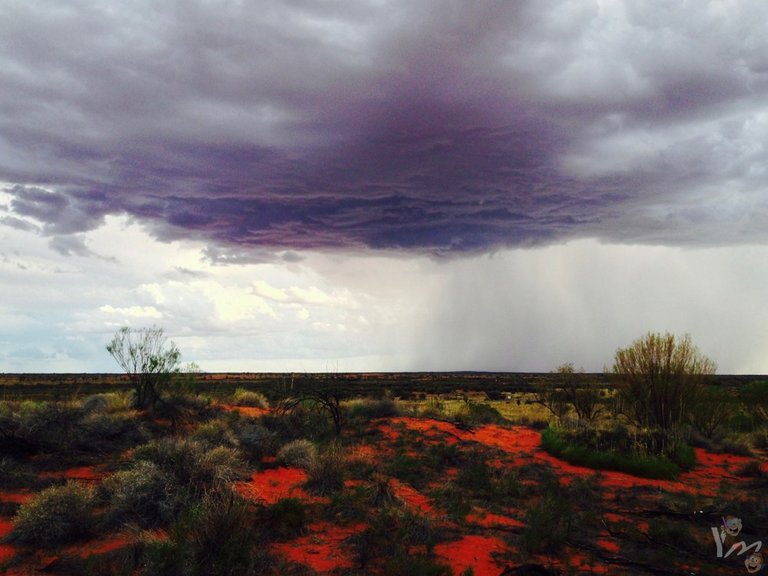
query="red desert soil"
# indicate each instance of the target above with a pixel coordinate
(6, 550)
(100, 546)
(271, 485)
(524, 442)
(412, 497)
(15, 497)
(474, 552)
(490, 520)
(251, 411)
(322, 548)
(82, 473)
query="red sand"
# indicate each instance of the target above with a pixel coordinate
(272, 485)
(82, 473)
(608, 543)
(472, 551)
(15, 497)
(490, 520)
(6, 550)
(102, 546)
(322, 548)
(411, 496)
(252, 411)
(584, 565)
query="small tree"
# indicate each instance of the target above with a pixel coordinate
(660, 380)
(149, 360)
(580, 392)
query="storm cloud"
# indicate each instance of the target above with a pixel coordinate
(428, 127)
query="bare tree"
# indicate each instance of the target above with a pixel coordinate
(581, 393)
(660, 380)
(149, 360)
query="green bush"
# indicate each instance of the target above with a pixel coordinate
(646, 466)
(300, 453)
(243, 397)
(56, 515)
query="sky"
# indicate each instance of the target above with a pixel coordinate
(383, 185)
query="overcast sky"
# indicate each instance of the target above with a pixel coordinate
(306, 185)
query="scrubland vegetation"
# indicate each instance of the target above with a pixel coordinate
(577, 476)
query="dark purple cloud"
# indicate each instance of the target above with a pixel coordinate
(436, 127)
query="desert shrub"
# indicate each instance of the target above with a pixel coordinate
(221, 533)
(380, 493)
(433, 407)
(28, 428)
(440, 455)
(216, 433)
(143, 494)
(672, 533)
(326, 474)
(95, 403)
(191, 464)
(285, 519)
(181, 407)
(661, 378)
(15, 474)
(453, 500)
(108, 402)
(158, 556)
(109, 431)
(409, 469)
(392, 532)
(243, 397)
(299, 453)
(403, 564)
(735, 445)
(759, 439)
(549, 522)
(366, 409)
(709, 415)
(216, 536)
(300, 421)
(348, 505)
(255, 439)
(507, 488)
(477, 414)
(751, 469)
(55, 516)
(475, 475)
